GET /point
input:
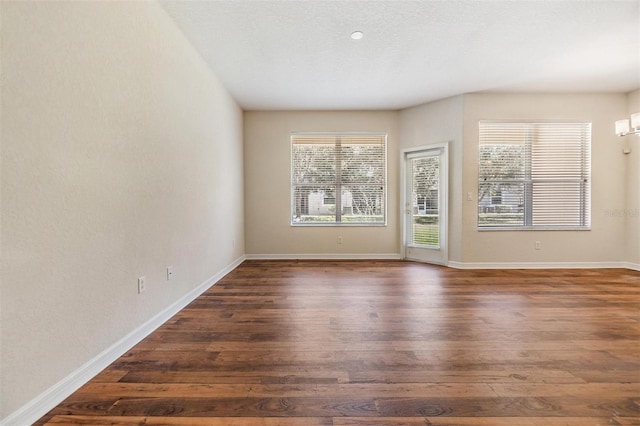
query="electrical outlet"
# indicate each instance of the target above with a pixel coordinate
(340, 239)
(537, 245)
(169, 273)
(141, 285)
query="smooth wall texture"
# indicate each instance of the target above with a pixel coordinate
(606, 241)
(434, 123)
(121, 155)
(632, 210)
(267, 156)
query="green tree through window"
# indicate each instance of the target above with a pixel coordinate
(534, 175)
(338, 178)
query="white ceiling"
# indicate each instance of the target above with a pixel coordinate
(299, 55)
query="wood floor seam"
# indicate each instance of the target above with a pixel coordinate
(374, 342)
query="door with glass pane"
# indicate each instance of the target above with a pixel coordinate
(425, 204)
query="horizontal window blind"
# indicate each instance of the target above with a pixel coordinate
(338, 179)
(534, 175)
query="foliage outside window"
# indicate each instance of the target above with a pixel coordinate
(534, 175)
(338, 179)
(424, 175)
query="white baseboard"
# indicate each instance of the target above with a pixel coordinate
(632, 266)
(539, 265)
(45, 402)
(451, 264)
(325, 256)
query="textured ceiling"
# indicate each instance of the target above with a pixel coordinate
(299, 54)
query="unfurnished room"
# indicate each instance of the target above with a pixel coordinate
(319, 212)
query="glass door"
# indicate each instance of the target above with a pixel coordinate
(425, 204)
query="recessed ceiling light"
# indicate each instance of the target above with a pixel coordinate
(357, 35)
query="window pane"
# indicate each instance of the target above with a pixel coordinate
(338, 178)
(502, 205)
(362, 164)
(425, 173)
(502, 162)
(314, 203)
(313, 163)
(363, 203)
(558, 153)
(534, 175)
(557, 203)
(501, 185)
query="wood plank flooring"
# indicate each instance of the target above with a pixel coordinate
(383, 343)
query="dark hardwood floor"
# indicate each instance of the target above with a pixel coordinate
(383, 343)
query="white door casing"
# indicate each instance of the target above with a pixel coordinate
(424, 203)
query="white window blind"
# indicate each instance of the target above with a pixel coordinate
(338, 179)
(534, 175)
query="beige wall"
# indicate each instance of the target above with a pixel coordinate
(632, 211)
(434, 123)
(121, 154)
(606, 240)
(268, 180)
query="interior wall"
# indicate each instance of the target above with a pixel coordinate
(121, 155)
(267, 156)
(632, 211)
(605, 242)
(434, 123)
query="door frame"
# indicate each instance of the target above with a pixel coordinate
(443, 196)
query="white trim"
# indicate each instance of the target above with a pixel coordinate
(632, 266)
(49, 399)
(45, 402)
(292, 200)
(541, 265)
(443, 195)
(326, 256)
(450, 264)
(409, 259)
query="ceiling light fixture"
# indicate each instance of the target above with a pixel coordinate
(623, 128)
(357, 35)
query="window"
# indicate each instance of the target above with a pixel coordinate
(338, 179)
(534, 175)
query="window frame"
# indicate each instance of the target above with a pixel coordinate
(338, 186)
(528, 206)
